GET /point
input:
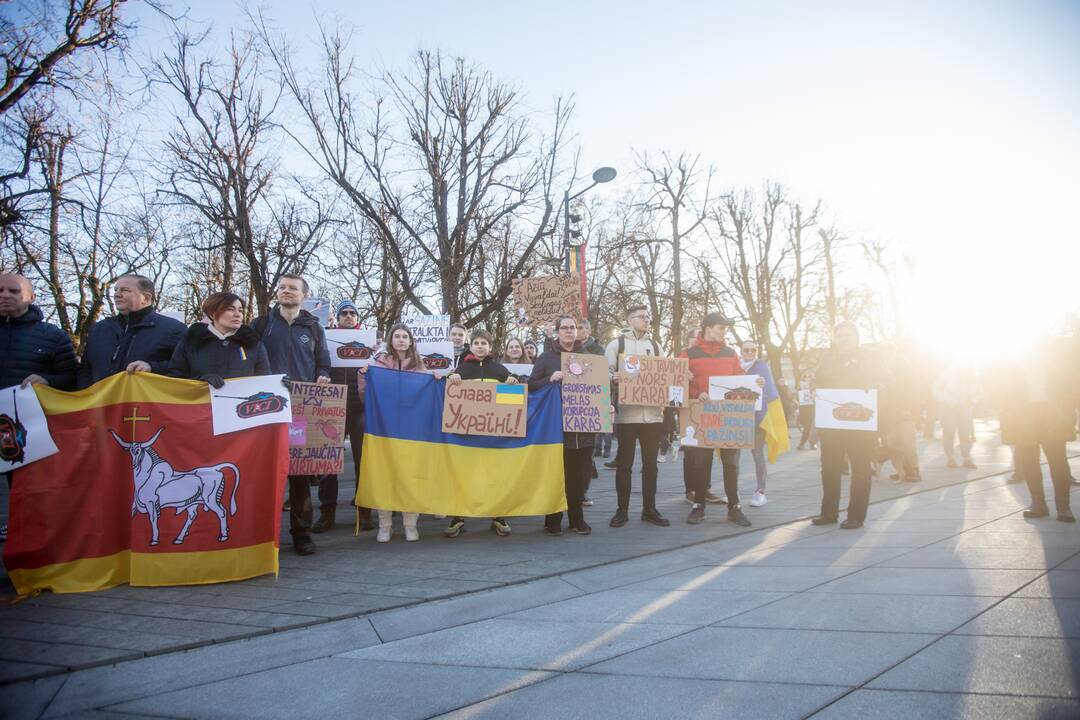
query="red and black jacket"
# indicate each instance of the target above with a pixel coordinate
(709, 359)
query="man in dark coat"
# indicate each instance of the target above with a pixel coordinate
(136, 339)
(846, 365)
(32, 351)
(296, 344)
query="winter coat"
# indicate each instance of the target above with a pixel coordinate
(708, 359)
(117, 341)
(1038, 400)
(298, 350)
(31, 346)
(473, 368)
(633, 345)
(859, 369)
(592, 346)
(387, 360)
(550, 362)
(347, 376)
(201, 352)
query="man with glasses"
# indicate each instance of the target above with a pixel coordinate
(636, 424)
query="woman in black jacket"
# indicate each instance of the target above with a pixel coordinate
(222, 348)
(577, 447)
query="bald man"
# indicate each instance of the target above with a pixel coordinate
(32, 351)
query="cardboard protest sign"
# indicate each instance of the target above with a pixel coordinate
(350, 348)
(541, 300)
(806, 397)
(249, 402)
(519, 369)
(476, 407)
(432, 334)
(845, 409)
(717, 424)
(747, 388)
(653, 381)
(317, 432)
(586, 394)
(24, 432)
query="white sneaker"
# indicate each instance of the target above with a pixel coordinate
(662, 457)
(759, 499)
(383, 535)
(411, 534)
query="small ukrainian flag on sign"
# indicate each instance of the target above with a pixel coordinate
(509, 394)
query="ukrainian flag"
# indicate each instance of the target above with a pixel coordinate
(771, 418)
(409, 464)
(510, 394)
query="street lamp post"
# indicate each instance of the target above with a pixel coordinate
(601, 175)
(575, 254)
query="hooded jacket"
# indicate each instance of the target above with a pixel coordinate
(709, 358)
(201, 352)
(117, 341)
(549, 362)
(391, 361)
(31, 346)
(473, 368)
(298, 350)
(633, 345)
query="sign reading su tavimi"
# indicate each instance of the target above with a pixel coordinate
(542, 300)
(317, 432)
(653, 381)
(717, 424)
(586, 394)
(477, 407)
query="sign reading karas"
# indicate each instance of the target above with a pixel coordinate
(541, 300)
(476, 407)
(317, 432)
(586, 394)
(845, 409)
(717, 424)
(653, 381)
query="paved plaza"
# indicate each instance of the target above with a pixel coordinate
(947, 604)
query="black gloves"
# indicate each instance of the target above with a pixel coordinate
(286, 382)
(215, 381)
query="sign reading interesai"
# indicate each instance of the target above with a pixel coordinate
(317, 432)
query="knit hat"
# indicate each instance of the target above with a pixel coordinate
(345, 305)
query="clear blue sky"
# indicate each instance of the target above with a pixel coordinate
(952, 126)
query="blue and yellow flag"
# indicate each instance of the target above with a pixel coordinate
(771, 417)
(410, 464)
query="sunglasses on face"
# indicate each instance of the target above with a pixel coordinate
(346, 312)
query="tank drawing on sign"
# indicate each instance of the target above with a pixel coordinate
(852, 412)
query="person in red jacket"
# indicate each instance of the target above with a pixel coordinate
(710, 355)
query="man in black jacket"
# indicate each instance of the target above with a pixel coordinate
(136, 339)
(296, 344)
(32, 351)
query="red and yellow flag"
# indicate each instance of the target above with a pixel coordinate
(143, 492)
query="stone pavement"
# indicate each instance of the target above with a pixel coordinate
(947, 603)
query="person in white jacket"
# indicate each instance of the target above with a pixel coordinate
(636, 424)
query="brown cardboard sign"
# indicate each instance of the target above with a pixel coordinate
(317, 431)
(717, 424)
(477, 407)
(541, 300)
(586, 393)
(653, 381)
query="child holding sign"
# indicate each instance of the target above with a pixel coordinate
(477, 364)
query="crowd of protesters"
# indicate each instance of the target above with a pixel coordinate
(1037, 399)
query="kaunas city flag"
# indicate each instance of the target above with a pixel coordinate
(143, 492)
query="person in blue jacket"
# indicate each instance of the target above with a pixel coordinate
(136, 339)
(296, 345)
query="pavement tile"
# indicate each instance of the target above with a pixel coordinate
(50, 633)
(71, 656)
(357, 688)
(1072, 563)
(902, 705)
(441, 614)
(101, 686)
(1034, 558)
(872, 539)
(872, 613)
(584, 695)
(745, 577)
(768, 655)
(13, 671)
(930, 581)
(1029, 617)
(1056, 583)
(631, 605)
(797, 556)
(28, 700)
(119, 606)
(1005, 665)
(1010, 540)
(526, 644)
(186, 629)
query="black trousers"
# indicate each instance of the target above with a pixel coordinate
(858, 448)
(328, 484)
(629, 435)
(697, 471)
(1027, 464)
(577, 463)
(300, 506)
